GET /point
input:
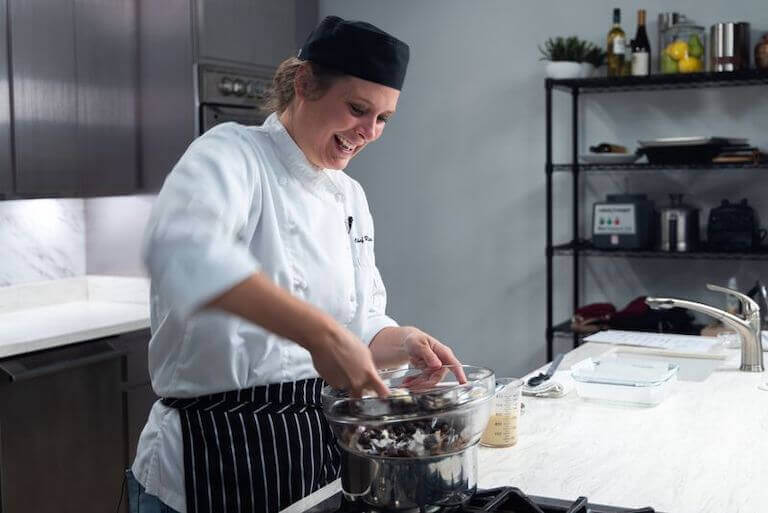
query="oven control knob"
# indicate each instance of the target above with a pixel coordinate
(225, 86)
(250, 89)
(238, 87)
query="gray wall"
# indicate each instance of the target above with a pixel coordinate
(456, 184)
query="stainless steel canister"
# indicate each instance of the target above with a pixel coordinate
(729, 46)
(410, 484)
(679, 226)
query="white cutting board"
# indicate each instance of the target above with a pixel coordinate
(665, 341)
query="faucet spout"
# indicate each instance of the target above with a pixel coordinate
(665, 303)
(748, 327)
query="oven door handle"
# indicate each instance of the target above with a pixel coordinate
(215, 114)
(53, 361)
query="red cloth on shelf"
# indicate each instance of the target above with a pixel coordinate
(598, 316)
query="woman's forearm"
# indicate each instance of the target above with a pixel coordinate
(337, 354)
(260, 301)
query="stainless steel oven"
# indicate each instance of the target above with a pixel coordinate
(230, 94)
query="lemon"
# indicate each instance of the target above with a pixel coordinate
(689, 65)
(677, 49)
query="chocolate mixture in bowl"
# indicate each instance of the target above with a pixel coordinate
(429, 413)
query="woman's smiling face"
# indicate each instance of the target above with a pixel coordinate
(334, 128)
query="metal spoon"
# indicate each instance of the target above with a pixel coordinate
(541, 377)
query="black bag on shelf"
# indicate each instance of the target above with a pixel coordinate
(733, 227)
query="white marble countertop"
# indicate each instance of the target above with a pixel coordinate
(704, 449)
(45, 315)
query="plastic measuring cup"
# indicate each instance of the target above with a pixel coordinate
(502, 425)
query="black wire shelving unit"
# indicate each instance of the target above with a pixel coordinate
(633, 168)
(578, 248)
(585, 248)
(751, 77)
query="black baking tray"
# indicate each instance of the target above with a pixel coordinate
(687, 154)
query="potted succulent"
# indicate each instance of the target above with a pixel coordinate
(571, 57)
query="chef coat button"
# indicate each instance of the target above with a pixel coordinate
(339, 197)
(282, 181)
(352, 297)
(291, 226)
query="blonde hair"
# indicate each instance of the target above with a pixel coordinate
(280, 95)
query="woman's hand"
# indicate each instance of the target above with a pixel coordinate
(426, 352)
(394, 346)
(344, 362)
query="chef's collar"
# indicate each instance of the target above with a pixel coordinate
(290, 153)
(294, 159)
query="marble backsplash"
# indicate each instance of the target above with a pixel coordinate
(41, 239)
(49, 239)
(114, 232)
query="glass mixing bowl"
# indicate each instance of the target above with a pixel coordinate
(428, 413)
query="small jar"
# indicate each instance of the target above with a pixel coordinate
(761, 53)
(683, 49)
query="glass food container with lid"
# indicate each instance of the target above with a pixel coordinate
(624, 380)
(683, 47)
(428, 413)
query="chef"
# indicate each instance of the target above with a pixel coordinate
(265, 286)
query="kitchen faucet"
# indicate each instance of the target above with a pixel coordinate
(748, 326)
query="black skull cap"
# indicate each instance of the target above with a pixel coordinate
(359, 49)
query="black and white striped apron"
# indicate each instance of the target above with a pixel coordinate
(255, 450)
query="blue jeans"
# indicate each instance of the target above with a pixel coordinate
(139, 501)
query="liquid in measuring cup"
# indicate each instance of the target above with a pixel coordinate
(502, 425)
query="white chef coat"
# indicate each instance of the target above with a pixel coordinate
(243, 200)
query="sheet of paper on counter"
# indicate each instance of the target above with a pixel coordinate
(667, 341)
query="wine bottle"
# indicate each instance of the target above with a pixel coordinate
(616, 47)
(641, 48)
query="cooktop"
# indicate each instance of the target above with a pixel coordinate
(496, 500)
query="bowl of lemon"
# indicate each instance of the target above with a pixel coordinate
(683, 50)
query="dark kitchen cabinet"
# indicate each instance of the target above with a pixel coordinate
(70, 419)
(44, 85)
(61, 430)
(74, 97)
(167, 89)
(99, 97)
(138, 400)
(178, 39)
(136, 391)
(137, 394)
(6, 165)
(107, 82)
(255, 32)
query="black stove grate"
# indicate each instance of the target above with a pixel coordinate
(495, 500)
(513, 500)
